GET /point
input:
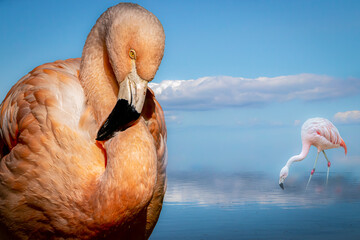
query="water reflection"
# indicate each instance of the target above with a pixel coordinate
(216, 206)
(230, 190)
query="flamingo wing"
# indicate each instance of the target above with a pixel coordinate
(154, 117)
(322, 134)
(39, 147)
(29, 109)
(327, 130)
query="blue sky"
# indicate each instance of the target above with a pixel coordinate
(237, 80)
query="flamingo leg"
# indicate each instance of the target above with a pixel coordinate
(312, 171)
(329, 164)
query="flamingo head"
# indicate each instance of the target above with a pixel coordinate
(283, 175)
(135, 42)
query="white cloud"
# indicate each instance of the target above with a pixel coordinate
(225, 91)
(347, 117)
(170, 117)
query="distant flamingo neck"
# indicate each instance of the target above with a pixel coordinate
(304, 152)
(96, 74)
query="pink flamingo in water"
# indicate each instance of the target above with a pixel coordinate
(320, 133)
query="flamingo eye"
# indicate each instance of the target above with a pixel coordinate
(132, 54)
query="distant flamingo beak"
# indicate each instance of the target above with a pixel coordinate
(282, 185)
(342, 144)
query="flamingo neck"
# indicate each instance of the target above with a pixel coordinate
(127, 184)
(96, 74)
(304, 152)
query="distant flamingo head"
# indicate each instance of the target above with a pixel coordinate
(135, 42)
(283, 175)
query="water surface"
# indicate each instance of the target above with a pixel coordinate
(252, 206)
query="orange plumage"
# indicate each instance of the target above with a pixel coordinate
(53, 179)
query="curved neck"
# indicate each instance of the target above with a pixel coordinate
(304, 152)
(127, 184)
(96, 74)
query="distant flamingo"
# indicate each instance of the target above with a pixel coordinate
(56, 180)
(320, 133)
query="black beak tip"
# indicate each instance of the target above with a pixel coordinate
(101, 137)
(122, 116)
(281, 185)
(105, 133)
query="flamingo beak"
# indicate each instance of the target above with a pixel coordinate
(281, 182)
(131, 98)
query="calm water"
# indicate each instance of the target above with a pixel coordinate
(252, 206)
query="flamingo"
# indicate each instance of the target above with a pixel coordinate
(83, 141)
(320, 133)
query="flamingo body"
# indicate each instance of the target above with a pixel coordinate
(54, 180)
(320, 133)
